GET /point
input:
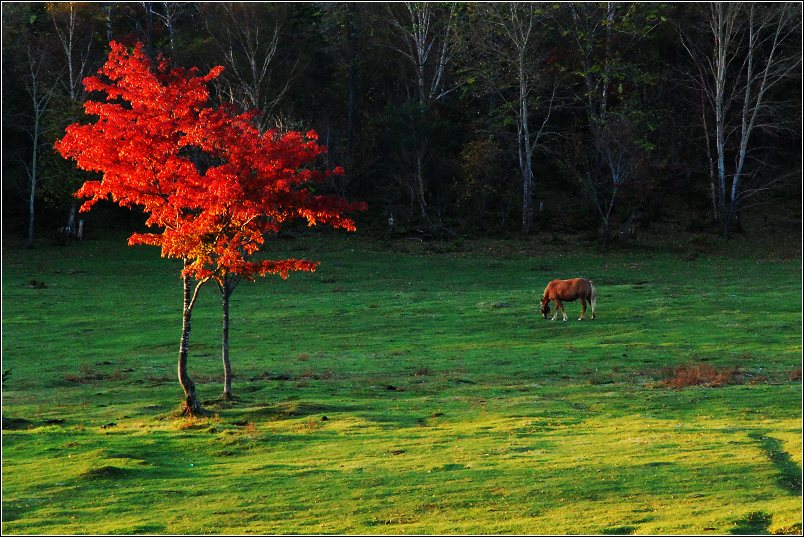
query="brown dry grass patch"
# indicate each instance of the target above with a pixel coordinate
(701, 375)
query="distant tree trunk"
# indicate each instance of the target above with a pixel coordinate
(352, 106)
(66, 27)
(33, 178)
(192, 406)
(509, 34)
(71, 220)
(525, 149)
(527, 204)
(723, 22)
(713, 189)
(107, 7)
(149, 28)
(171, 12)
(420, 196)
(40, 97)
(604, 99)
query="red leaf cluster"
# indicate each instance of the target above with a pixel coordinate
(212, 184)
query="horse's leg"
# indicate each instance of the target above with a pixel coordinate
(583, 310)
(559, 304)
(555, 313)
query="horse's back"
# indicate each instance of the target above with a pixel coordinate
(582, 286)
(571, 289)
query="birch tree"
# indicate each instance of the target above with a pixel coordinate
(169, 15)
(76, 44)
(248, 38)
(425, 37)
(40, 89)
(748, 50)
(605, 37)
(513, 67)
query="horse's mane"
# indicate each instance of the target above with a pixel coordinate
(544, 294)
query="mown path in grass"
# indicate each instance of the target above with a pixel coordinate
(403, 388)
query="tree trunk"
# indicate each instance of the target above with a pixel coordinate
(525, 151)
(722, 44)
(710, 162)
(192, 406)
(420, 185)
(226, 293)
(33, 177)
(352, 107)
(107, 7)
(725, 222)
(604, 100)
(169, 22)
(527, 204)
(71, 220)
(149, 29)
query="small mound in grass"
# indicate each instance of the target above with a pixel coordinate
(104, 472)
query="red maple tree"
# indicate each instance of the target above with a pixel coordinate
(260, 183)
(211, 184)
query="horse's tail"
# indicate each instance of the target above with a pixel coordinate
(592, 297)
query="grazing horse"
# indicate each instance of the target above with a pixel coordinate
(568, 290)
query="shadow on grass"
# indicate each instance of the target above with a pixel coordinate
(619, 530)
(296, 409)
(24, 508)
(789, 477)
(108, 472)
(756, 523)
(16, 424)
(291, 409)
(139, 529)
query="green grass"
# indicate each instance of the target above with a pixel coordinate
(404, 388)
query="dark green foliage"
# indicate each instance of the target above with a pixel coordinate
(337, 69)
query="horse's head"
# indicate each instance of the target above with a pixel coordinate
(545, 307)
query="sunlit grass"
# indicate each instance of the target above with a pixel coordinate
(403, 388)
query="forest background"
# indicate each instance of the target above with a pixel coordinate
(455, 119)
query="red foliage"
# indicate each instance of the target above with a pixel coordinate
(211, 183)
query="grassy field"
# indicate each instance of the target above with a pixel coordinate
(407, 387)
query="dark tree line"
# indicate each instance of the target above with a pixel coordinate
(450, 118)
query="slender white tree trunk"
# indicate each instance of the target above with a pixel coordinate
(40, 97)
(33, 177)
(525, 150)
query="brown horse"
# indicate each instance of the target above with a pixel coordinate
(568, 290)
